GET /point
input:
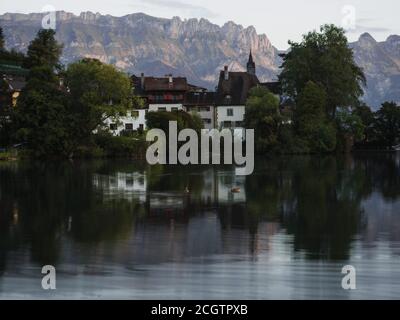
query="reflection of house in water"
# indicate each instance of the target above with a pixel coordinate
(129, 186)
(216, 190)
(218, 187)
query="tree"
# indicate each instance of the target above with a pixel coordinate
(350, 123)
(387, 123)
(262, 115)
(311, 123)
(350, 128)
(96, 92)
(161, 119)
(1, 40)
(326, 59)
(40, 115)
(368, 119)
(44, 50)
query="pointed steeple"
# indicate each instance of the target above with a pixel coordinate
(251, 66)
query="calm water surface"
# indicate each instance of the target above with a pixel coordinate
(116, 229)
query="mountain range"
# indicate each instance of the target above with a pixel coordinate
(195, 48)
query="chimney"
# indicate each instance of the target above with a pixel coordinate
(226, 73)
(142, 81)
(170, 80)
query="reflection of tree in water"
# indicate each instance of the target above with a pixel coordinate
(318, 199)
(386, 176)
(49, 196)
(327, 212)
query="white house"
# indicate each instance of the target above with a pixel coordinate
(135, 120)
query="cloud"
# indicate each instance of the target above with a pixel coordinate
(188, 9)
(366, 24)
(362, 29)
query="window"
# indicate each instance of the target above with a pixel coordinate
(229, 112)
(129, 182)
(227, 124)
(129, 126)
(162, 109)
(113, 126)
(174, 109)
(239, 124)
(207, 121)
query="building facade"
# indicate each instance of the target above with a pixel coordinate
(134, 121)
(223, 109)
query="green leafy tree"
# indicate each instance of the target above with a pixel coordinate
(262, 115)
(387, 123)
(367, 117)
(40, 115)
(350, 124)
(41, 118)
(326, 59)
(311, 123)
(350, 129)
(97, 92)
(44, 50)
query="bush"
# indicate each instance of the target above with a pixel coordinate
(121, 146)
(89, 152)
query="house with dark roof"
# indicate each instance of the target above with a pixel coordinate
(162, 93)
(231, 96)
(224, 108)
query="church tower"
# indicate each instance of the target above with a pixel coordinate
(251, 66)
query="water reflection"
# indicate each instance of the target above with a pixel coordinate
(295, 219)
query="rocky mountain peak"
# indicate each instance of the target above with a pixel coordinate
(137, 42)
(366, 40)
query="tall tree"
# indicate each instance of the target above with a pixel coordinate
(310, 119)
(326, 59)
(40, 115)
(44, 50)
(97, 92)
(262, 115)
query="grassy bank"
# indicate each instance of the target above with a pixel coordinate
(8, 156)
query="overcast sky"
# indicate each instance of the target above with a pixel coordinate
(279, 20)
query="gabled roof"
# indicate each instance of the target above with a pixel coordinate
(10, 69)
(235, 90)
(160, 84)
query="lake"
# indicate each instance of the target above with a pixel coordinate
(116, 229)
